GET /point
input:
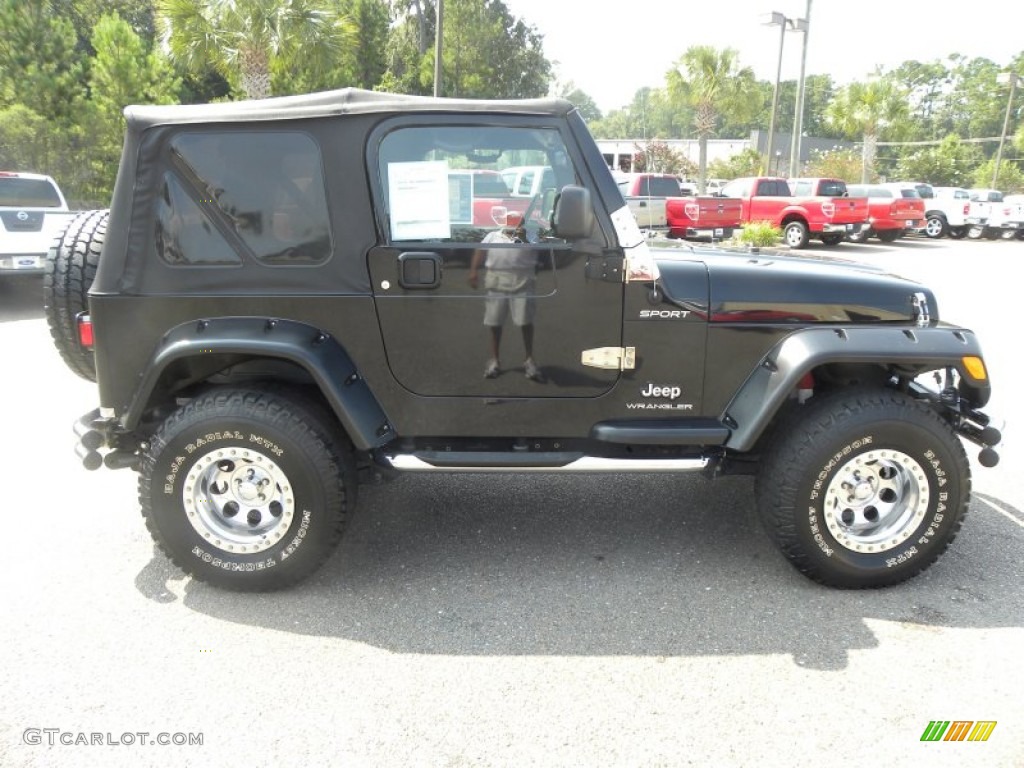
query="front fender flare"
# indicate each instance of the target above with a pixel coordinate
(320, 355)
(766, 389)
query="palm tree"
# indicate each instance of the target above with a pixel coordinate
(865, 110)
(243, 38)
(712, 83)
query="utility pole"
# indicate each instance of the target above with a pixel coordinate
(803, 24)
(1002, 78)
(439, 36)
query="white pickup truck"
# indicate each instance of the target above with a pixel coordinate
(33, 212)
(993, 217)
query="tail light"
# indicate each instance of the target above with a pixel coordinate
(967, 208)
(893, 209)
(85, 336)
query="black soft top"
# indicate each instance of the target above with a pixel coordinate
(326, 103)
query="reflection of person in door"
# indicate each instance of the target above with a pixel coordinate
(510, 278)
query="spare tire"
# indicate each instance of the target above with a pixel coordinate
(70, 268)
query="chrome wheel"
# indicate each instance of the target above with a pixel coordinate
(876, 501)
(238, 500)
(935, 226)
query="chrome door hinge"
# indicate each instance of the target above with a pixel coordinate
(610, 358)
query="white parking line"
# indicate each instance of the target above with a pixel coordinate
(1001, 511)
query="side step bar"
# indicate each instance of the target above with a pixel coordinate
(451, 461)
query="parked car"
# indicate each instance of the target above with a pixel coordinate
(945, 214)
(947, 210)
(992, 216)
(893, 211)
(32, 212)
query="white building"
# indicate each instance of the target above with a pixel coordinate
(618, 153)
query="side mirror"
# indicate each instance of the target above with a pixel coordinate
(573, 214)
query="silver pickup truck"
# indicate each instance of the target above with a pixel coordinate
(33, 212)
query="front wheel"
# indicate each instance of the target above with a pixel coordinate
(958, 233)
(246, 489)
(860, 237)
(889, 235)
(866, 489)
(832, 240)
(795, 234)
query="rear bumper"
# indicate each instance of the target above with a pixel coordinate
(22, 263)
(846, 229)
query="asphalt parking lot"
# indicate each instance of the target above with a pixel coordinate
(625, 620)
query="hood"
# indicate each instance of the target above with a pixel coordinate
(770, 287)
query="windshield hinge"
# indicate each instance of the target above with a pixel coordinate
(610, 358)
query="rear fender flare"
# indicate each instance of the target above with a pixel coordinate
(316, 352)
(766, 389)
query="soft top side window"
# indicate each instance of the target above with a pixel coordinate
(266, 188)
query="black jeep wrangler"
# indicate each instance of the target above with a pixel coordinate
(289, 294)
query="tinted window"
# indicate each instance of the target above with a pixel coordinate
(266, 188)
(184, 232)
(423, 202)
(28, 193)
(663, 186)
(832, 188)
(772, 189)
(489, 184)
(911, 193)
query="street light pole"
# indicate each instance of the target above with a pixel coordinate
(1002, 78)
(798, 117)
(782, 21)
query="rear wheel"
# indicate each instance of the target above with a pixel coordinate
(974, 233)
(70, 268)
(935, 226)
(864, 489)
(859, 237)
(795, 234)
(247, 489)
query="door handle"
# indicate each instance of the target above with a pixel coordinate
(418, 270)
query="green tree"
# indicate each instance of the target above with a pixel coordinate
(949, 164)
(584, 103)
(1011, 178)
(245, 39)
(747, 162)
(846, 164)
(124, 71)
(39, 66)
(712, 83)
(867, 111)
(85, 14)
(657, 157)
(486, 51)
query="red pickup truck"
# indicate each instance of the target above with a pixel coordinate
(894, 211)
(827, 217)
(659, 202)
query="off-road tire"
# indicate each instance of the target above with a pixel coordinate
(795, 235)
(70, 268)
(278, 459)
(906, 493)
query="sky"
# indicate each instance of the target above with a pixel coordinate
(611, 49)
